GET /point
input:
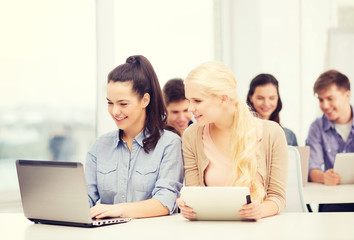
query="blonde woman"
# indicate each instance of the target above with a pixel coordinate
(229, 146)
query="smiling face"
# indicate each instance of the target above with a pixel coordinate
(178, 115)
(126, 108)
(206, 109)
(265, 100)
(334, 103)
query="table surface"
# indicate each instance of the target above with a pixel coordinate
(283, 226)
(316, 193)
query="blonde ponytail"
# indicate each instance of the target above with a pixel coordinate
(244, 155)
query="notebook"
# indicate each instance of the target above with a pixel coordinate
(344, 167)
(55, 193)
(216, 203)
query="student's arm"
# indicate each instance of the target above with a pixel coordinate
(189, 156)
(189, 145)
(314, 140)
(316, 159)
(186, 211)
(328, 178)
(290, 137)
(276, 190)
(166, 187)
(170, 178)
(147, 208)
(294, 140)
(316, 175)
(256, 210)
(91, 175)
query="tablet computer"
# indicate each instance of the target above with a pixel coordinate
(344, 167)
(216, 203)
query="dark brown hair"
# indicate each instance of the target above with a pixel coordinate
(173, 91)
(330, 77)
(261, 80)
(140, 72)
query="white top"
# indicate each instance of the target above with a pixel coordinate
(344, 130)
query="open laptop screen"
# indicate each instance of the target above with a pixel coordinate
(54, 192)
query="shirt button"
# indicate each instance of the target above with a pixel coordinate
(329, 150)
(123, 196)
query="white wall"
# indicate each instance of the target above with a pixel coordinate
(105, 43)
(317, 18)
(285, 38)
(288, 39)
(175, 36)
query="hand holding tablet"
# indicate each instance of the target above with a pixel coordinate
(213, 203)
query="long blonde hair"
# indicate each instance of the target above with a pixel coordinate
(215, 79)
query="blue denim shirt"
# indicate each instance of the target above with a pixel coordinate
(325, 142)
(115, 175)
(290, 137)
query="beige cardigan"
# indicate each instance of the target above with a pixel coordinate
(272, 161)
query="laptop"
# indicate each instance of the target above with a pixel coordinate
(304, 152)
(55, 193)
(216, 203)
(344, 167)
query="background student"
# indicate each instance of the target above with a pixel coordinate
(264, 99)
(230, 147)
(178, 117)
(332, 133)
(136, 171)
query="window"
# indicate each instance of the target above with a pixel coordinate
(48, 81)
(176, 36)
(47, 87)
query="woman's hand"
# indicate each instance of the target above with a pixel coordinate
(186, 211)
(105, 210)
(252, 210)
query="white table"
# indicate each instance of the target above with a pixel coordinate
(316, 193)
(322, 226)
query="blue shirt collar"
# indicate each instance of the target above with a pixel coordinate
(327, 124)
(138, 138)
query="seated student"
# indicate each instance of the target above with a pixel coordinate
(178, 116)
(136, 171)
(332, 133)
(229, 146)
(264, 99)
